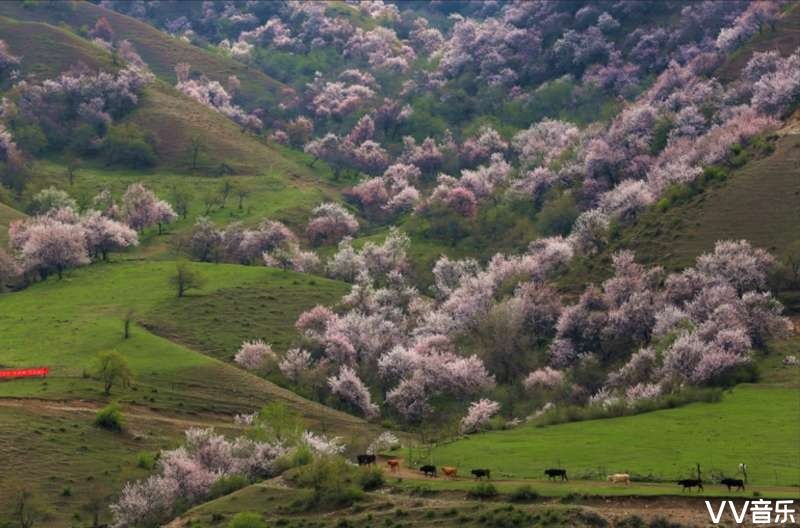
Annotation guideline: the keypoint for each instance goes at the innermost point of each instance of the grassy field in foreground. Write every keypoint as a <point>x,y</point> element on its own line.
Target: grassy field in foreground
<point>277,505</point>
<point>586,488</point>
<point>755,424</point>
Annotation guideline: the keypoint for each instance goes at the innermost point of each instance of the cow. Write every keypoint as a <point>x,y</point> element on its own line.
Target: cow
<point>480,473</point>
<point>428,471</point>
<point>620,478</point>
<point>450,471</point>
<point>691,483</point>
<point>365,460</point>
<point>555,472</point>
<point>394,465</point>
<point>731,482</point>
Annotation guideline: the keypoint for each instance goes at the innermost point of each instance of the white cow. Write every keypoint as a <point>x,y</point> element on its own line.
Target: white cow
<point>619,478</point>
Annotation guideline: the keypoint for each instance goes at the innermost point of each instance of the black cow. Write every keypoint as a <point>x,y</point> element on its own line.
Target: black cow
<point>691,483</point>
<point>480,473</point>
<point>555,472</point>
<point>428,471</point>
<point>731,482</point>
<point>365,460</point>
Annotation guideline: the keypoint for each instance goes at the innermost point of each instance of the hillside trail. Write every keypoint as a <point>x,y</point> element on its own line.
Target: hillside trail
<point>132,412</point>
<point>614,509</point>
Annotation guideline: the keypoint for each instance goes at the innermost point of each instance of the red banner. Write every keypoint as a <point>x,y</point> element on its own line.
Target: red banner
<point>24,373</point>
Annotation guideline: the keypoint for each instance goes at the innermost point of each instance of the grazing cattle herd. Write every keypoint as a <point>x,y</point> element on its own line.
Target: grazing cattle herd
<point>553,474</point>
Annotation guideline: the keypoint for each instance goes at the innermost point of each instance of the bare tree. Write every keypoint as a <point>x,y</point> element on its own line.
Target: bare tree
<point>225,191</point>
<point>195,147</point>
<point>185,278</point>
<point>127,323</point>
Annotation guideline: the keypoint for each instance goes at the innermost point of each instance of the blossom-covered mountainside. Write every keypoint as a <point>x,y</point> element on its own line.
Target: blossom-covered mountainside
<point>253,240</point>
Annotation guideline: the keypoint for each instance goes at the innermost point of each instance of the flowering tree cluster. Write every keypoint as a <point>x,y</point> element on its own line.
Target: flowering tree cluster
<point>80,97</point>
<point>214,95</point>
<point>141,208</point>
<point>253,354</point>
<point>270,243</point>
<point>478,415</point>
<point>351,390</point>
<point>463,194</point>
<point>8,61</point>
<point>389,194</point>
<point>60,239</point>
<point>709,317</point>
<point>187,473</point>
<point>330,223</point>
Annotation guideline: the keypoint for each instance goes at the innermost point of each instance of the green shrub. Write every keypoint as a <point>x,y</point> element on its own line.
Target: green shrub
<point>557,216</point>
<point>524,494</point>
<point>227,485</point>
<point>370,478</point>
<point>332,480</point>
<point>247,520</point>
<point>110,418</point>
<point>483,491</point>
<point>145,460</point>
<point>128,145</point>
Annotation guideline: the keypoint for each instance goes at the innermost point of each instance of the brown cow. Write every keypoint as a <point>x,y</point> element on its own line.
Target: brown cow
<point>394,465</point>
<point>450,471</point>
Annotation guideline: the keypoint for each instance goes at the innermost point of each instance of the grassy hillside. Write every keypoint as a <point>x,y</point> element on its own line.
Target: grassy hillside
<point>159,50</point>
<point>174,119</point>
<point>785,38</point>
<point>756,424</point>
<point>33,42</point>
<point>64,324</point>
<point>752,424</point>
<point>7,215</point>
<point>278,505</point>
<point>759,202</point>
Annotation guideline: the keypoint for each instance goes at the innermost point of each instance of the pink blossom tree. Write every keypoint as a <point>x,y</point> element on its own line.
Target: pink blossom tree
<point>330,223</point>
<point>295,363</point>
<point>351,390</point>
<point>478,415</point>
<point>104,235</point>
<point>46,245</point>
<point>253,354</point>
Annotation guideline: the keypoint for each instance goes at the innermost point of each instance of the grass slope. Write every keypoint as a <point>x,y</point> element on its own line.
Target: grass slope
<point>175,120</point>
<point>64,324</point>
<point>33,41</point>
<point>171,117</point>
<point>7,215</point>
<point>760,202</point>
<point>159,50</point>
<point>273,194</point>
<point>215,323</point>
<point>784,38</point>
<point>753,424</point>
<point>278,505</point>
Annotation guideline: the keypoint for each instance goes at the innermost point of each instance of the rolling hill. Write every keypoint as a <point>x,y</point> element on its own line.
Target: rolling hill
<point>159,51</point>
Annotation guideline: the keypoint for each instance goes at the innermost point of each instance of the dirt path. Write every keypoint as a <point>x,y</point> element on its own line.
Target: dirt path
<point>132,412</point>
